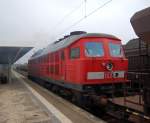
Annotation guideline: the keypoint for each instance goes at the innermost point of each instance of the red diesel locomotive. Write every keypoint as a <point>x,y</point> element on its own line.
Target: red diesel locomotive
<point>83,63</point>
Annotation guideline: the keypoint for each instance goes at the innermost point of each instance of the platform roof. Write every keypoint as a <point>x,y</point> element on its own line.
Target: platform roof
<point>9,54</point>
<point>141,24</point>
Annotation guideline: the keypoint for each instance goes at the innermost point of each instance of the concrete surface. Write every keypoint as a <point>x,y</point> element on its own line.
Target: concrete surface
<point>62,118</point>
<point>18,105</point>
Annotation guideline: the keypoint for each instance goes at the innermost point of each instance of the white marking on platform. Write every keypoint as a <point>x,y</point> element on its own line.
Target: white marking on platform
<point>49,106</point>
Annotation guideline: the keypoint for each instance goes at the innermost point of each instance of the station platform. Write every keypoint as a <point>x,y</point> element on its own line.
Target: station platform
<point>23,101</point>
<point>18,105</point>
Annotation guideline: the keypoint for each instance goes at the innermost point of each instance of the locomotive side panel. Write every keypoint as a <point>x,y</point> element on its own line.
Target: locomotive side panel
<point>74,68</point>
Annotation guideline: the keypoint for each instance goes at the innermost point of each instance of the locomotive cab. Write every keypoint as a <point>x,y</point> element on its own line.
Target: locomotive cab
<point>100,63</point>
<point>105,63</point>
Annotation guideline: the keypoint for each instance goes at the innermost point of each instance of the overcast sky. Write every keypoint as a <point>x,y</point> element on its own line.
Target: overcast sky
<point>40,22</point>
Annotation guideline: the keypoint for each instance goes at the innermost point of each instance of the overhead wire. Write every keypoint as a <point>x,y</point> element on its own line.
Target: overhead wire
<point>85,2</point>
<point>86,15</point>
<point>69,14</point>
<point>100,7</point>
<point>66,16</point>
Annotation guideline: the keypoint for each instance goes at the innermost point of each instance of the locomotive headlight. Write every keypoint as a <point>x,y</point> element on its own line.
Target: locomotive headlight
<point>109,66</point>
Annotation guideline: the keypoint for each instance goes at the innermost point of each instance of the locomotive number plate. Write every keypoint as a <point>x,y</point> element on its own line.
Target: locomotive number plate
<point>108,75</point>
<point>114,74</point>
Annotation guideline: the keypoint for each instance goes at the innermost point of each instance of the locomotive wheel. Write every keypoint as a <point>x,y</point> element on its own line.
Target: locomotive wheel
<point>55,89</point>
<point>78,99</point>
<point>47,85</point>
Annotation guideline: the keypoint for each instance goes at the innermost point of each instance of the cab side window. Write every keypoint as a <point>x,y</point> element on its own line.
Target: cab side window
<point>75,53</point>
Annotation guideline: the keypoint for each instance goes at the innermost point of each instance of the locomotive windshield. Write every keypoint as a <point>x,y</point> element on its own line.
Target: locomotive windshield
<point>94,49</point>
<point>115,50</point>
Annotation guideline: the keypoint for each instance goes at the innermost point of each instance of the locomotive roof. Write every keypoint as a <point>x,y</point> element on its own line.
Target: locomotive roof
<point>69,40</point>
